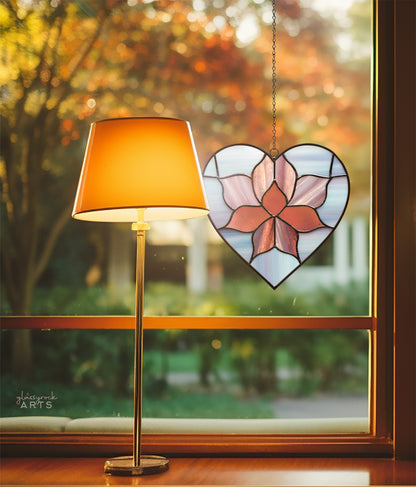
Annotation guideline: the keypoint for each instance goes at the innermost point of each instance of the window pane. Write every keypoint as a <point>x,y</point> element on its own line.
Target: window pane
<point>211,374</point>
<point>67,65</point>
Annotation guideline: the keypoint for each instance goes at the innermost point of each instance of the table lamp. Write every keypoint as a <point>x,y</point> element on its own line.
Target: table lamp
<point>137,170</point>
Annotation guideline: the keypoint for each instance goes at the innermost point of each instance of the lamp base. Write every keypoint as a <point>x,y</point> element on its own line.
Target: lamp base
<point>149,464</point>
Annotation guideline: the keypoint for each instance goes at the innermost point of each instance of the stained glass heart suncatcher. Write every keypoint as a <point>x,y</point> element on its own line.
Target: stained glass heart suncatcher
<point>275,212</point>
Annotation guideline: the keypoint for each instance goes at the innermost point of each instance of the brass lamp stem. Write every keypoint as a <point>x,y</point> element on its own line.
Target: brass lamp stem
<point>138,341</point>
<point>138,464</point>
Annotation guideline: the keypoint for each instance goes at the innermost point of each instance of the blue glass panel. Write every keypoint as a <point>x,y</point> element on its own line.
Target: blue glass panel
<point>308,242</point>
<point>211,168</point>
<point>310,159</point>
<point>331,211</point>
<point>220,213</point>
<point>238,159</point>
<point>337,168</point>
<point>275,266</point>
<point>239,241</point>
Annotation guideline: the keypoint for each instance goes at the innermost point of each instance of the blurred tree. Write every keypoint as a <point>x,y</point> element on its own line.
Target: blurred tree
<point>40,69</point>
<point>253,358</point>
<point>41,58</point>
<point>327,361</point>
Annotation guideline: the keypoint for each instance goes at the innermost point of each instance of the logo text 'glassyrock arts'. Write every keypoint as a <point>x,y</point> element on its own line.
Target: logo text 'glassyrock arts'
<point>25,400</point>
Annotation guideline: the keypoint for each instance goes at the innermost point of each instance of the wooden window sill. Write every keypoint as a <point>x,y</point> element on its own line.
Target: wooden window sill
<point>216,471</point>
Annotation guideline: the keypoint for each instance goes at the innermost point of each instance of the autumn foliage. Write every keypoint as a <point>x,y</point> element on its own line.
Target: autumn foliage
<point>65,64</point>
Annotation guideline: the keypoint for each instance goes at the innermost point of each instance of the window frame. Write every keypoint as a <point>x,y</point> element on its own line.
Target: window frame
<point>392,390</point>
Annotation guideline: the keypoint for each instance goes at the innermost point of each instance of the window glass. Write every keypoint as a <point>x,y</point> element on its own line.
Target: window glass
<point>67,64</point>
<point>215,374</point>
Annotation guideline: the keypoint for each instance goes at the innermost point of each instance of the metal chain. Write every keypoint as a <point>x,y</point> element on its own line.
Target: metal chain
<point>274,152</point>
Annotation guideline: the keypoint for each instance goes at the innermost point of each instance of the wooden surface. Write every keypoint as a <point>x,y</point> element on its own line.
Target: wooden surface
<point>188,322</point>
<point>215,471</point>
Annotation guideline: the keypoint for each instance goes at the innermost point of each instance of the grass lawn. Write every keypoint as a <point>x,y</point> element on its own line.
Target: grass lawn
<point>77,401</point>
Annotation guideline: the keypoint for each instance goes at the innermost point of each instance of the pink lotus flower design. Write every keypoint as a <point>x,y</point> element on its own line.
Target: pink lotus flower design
<point>275,213</point>
<point>275,205</point>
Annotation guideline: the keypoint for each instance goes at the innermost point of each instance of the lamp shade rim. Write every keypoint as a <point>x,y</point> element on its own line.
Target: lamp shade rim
<point>151,213</point>
<point>174,119</point>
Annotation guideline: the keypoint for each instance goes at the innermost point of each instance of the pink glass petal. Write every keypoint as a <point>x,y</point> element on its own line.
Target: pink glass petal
<point>285,176</point>
<point>310,190</point>
<point>247,218</point>
<point>274,200</point>
<point>238,191</point>
<point>263,175</point>
<point>301,218</point>
<point>263,237</point>
<point>286,238</point>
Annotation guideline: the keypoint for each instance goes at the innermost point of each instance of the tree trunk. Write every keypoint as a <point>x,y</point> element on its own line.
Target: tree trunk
<point>22,356</point>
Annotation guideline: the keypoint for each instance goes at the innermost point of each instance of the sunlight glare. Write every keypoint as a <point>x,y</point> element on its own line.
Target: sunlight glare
<point>248,30</point>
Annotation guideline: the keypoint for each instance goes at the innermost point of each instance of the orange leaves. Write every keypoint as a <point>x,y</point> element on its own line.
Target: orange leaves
<point>67,124</point>
<point>65,71</point>
<point>66,140</point>
<point>289,8</point>
<point>211,42</point>
<point>163,57</point>
<point>234,91</point>
<point>200,66</point>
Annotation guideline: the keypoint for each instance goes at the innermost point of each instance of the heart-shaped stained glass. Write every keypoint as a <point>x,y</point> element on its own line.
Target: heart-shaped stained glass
<point>275,213</point>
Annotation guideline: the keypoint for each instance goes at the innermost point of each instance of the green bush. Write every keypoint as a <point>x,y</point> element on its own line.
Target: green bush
<point>242,297</point>
<point>326,361</point>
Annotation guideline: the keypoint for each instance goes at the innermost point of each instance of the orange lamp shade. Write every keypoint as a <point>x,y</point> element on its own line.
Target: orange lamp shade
<point>140,163</point>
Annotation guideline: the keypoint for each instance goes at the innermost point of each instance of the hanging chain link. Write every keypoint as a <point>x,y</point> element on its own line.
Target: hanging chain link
<point>274,152</point>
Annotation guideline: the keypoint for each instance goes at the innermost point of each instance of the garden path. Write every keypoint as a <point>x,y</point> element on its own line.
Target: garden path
<point>318,406</point>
